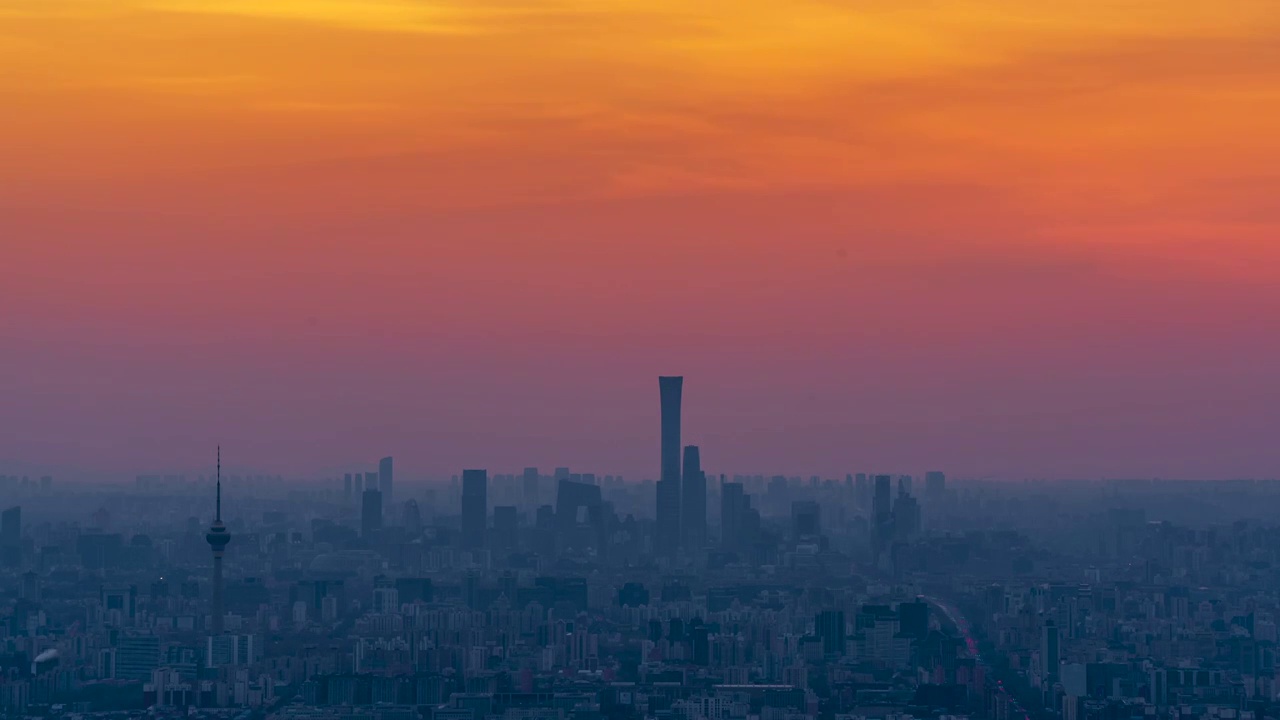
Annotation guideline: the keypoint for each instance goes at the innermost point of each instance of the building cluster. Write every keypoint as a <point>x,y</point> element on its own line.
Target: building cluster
<point>575,596</point>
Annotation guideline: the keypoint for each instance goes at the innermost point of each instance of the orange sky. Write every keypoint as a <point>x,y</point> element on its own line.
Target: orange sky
<point>737,188</point>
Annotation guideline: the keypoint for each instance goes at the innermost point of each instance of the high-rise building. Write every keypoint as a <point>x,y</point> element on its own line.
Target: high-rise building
<point>1050,652</point>
<point>11,537</point>
<point>530,486</point>
<point>733,509</point>
<point>913,619</point>
<point>385,480</point>
<point>136,657</point>
<point>370,513</point>
<point>830,628</point>
<point>667,541</point>
<point>218,538</point>
<point>475,508</point>
<point>882,513</point>
<point>806,519</point>
<point>346,487</point>
<point>693,507</point>
<point>411,518</point>
<point>371,481</point>
<point>935,485</point>
<point>906,514</point>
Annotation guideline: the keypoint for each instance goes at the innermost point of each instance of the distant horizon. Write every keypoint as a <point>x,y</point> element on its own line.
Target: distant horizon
<point>1019,239</point>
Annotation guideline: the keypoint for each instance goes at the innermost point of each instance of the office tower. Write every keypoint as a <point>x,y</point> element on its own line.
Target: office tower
<point>358,484</point>
<point>913,619</point>
<point>384,480</point>
<point>935,485</point>
<point>580,518</point>
<point>475,507</point>
<point>1050,652</point>
<point>218,537</point>
<point>906,514</point>
<point>806,519</point>
<point>562,473</point>
<point>506,527</point>
<point>829,627</point>
<point>530,486</point>
<point>370,513</point>
<point>371,481</point>
<point>668,497</point>
<point>412,518</point>
<point>693,507</point>
<point>346,486</point>
<point>882,513</point>
<point>137,657</point>
<point>11,537</point>
<point>861,489</point>
<point>732,509</point>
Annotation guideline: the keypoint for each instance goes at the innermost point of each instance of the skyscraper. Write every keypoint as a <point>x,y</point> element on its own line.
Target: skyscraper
<point>11,537</point>
<point>806,519</point>
<point>935,485</point>
<point>1050,651</point>
<point>530,489</point>
<point>693,508</point>
<point>475,507</point>
<point>731,495</point>
<point>346,487</point>
<point>882,513</point>
<point>384,480</point>
<point>667,541</point>
<point>370,512</point>
<point>830,628</point>
<point>218,537</point>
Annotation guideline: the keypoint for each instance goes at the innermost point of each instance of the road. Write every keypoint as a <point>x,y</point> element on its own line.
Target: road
<point>956,618</point>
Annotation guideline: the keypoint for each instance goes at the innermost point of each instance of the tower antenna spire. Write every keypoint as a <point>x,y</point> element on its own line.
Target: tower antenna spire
<point>218,516</point>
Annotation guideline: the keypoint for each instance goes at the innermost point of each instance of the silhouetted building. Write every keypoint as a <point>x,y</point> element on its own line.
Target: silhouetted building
<point>371,481</point>
<point>370,513</point>
<point>1050,651</point>
<point>475,508</point>
<point>11,537</point>
<point>830,629</point>
<point>693,508</point>
<point>218,538</point>
<point>529,489</point>
<point>906,514</point>
<point>412,519</point>
<point>935,485</point>
<point>882,513</point>
<point>580,520</point>
<point>913,619</point>
<point>346,487</point>
<point>385,481</point>
<point>733,509</point>
<point>806,519</point>
<point>667,541</point>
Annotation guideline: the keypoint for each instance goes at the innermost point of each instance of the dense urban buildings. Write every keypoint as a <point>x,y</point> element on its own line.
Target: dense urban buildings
<point>518,595</point>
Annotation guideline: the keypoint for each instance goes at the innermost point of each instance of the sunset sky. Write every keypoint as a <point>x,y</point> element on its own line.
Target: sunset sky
<point>1012,238</point>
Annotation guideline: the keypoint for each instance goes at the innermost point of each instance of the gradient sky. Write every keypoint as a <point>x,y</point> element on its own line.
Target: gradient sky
<point>997,237</point>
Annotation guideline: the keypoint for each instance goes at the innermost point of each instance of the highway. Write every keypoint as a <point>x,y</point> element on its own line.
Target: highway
<point>957,619</point>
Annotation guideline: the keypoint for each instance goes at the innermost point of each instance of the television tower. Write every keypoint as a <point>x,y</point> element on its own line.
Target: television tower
<point>218,537</point>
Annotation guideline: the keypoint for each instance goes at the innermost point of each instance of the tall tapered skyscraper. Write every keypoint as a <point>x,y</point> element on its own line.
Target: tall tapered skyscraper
<point>667,541</point>
<point>218,537</point>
